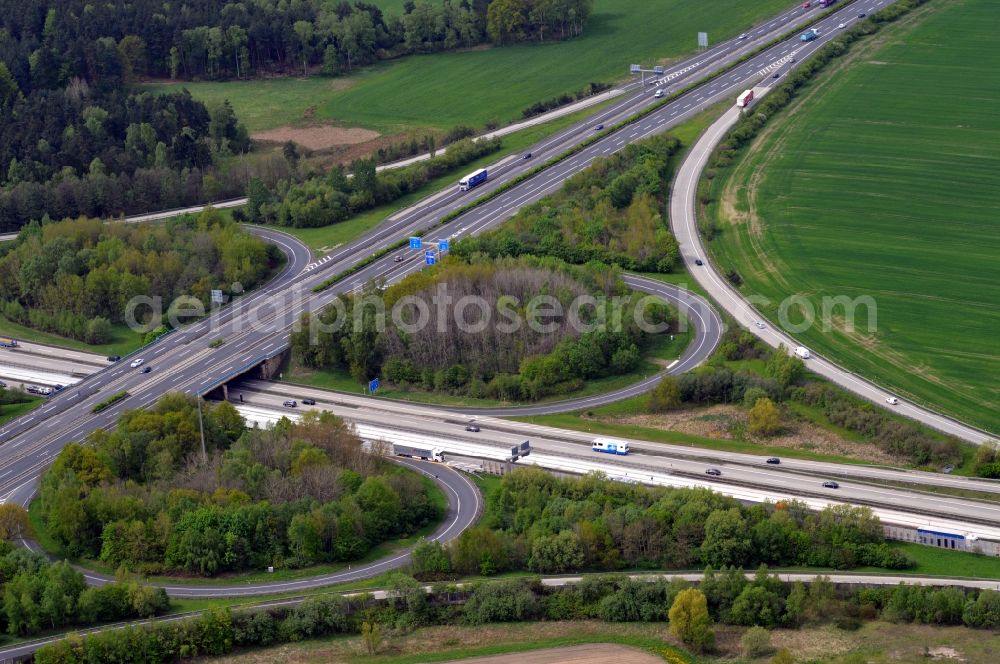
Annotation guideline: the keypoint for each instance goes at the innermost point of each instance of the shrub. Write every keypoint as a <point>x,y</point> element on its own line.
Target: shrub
<point>755,642</point>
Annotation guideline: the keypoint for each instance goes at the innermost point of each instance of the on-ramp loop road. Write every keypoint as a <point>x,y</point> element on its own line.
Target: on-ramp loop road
<point>465,504</point>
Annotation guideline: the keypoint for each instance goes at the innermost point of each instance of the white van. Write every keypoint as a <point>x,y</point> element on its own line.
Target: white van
<point>802,352</point>
<point>659,93</point>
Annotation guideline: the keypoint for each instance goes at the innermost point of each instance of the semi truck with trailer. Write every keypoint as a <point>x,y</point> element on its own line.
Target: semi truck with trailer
<point>473,179</point>
<point>744,99</point>
<point>809,35</point>
<point>826,3</point>
<point>425,453</point>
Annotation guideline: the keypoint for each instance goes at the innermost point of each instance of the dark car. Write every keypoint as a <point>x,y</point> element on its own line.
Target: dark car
<point>289,403</point>
<point>58,388</point>
<point>776,74</point>
<point>698,261</point>
<point>114,358</point>
<point>774,460</point>
<point>713,471</point>
<point>398,258</point>
<point>599,127</point>
<point>308,402</point>
<point>146,369</point>
<point>862,15</point>
<point>472,426</point>
<point>830,485</point>
<point>527,155</point>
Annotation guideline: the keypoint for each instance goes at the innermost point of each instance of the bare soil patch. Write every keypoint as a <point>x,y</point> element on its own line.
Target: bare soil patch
<point>728,422</point>
<point>593,653</point>
<point>318,137</point>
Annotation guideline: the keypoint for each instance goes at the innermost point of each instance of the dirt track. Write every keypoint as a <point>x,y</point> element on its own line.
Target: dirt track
<point>595,653</point>
<point>319,137</point>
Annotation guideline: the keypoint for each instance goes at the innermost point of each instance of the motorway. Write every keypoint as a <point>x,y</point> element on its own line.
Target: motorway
<point>746,477</point>
<point>257,325</point>
<point>436,420</point>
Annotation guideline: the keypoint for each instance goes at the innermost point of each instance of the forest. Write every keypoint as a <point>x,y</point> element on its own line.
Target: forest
<point>492,357</point>
<point>144,498</point>
<point>613,212</point>
<point>39,595</point>
<point>76,277</point>
<point>45,43</point>
<point>79,138</point>
<point>334,197</point>
<point>690,610</point>
<point>538,522</point>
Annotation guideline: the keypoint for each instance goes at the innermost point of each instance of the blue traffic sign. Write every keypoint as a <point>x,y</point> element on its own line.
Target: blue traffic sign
<point>430,258</point>
<point>442,245</point>
<point>416,243</point>
<point>373,385</point>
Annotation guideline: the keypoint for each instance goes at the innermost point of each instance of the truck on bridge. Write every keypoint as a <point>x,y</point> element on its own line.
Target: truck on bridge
<point>473,179</point>
<point>425,453</point>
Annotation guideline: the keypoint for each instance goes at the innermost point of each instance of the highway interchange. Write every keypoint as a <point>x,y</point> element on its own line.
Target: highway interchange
<point>256,326</point>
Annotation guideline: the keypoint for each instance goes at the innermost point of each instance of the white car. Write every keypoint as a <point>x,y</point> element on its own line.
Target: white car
<point>892,401</point>
<point>658,93</point>
<point>759,324</point>
<point>137,363</point>
<point>841,26</point>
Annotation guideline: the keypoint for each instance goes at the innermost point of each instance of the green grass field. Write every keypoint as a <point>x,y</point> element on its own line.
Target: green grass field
<point>123,342</point>
<point>472,87</point>
<point>13,411</point>
<point>883,182</point>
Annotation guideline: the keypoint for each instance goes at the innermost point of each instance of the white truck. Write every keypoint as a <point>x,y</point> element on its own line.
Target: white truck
<point>425,453</point>
<point>744,99</point>
<point>802,352</point>
<point>610,446</point>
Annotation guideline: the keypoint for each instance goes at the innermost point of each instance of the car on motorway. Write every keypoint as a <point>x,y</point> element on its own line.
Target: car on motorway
<point>137,363</point>
<point>527,155</point>
<point>862,15</point>
<point>774,461</point>
<point>599,127</point>
<point>289,403</point>
<point>58,388</point>
<point>713,471</point>
<point>892,401</point>
<point>743,36</point>
<point>472,426</point>
<point>658,93</point>
<point>698,261</point>
<point>398,258</point>
<point>308,402</point>
<point>776,74</point>
<point>830,484</point>
<point>760,325</point>
<point>114,358</point>
<point>146,369</point>
<point>841,26</point>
